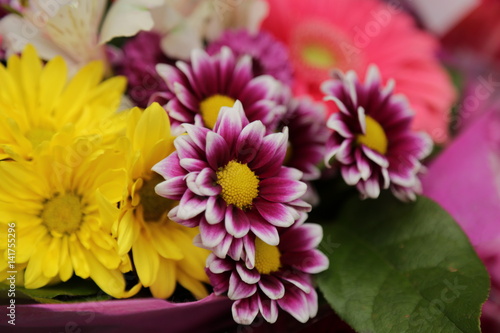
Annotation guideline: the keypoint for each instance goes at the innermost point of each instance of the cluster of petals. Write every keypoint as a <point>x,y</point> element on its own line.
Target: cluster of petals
<point>289,287</point>
<point>372,140</point>
<point>191,178</point>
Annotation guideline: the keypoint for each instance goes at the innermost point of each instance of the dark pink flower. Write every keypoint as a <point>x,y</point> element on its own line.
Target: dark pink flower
<point>269,56</point>
<point>281,276</point>
<point>141,54</point>
<point>230,182</point>
<point>372,140</point>
<point>208,83</point>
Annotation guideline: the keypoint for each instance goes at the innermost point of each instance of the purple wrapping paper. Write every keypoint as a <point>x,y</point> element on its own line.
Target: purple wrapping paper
<point>465,180</point>
<point>211,314</point>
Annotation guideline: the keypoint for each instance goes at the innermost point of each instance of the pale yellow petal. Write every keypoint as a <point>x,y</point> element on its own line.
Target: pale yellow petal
<point>65,267</point>
<point>53,79</point>
<point>51,258</point>
<point>146,260</point>
<point>164,242</point>
<point>31,68</point>
<point>197,288</point>
<point>78,259</point>
<point>128,231</point>
<point>34,277</point>
<point>164,285</point>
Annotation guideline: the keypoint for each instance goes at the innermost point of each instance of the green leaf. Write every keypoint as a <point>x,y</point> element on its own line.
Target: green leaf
<point>398,267</point>
<point>75,289</point>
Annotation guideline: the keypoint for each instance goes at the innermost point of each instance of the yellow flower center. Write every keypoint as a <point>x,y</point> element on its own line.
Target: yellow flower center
<point>38,135</point>
<point>267,257</point>
<point>210,108</point>
<point>153,205</point>
<point>63,213</point>
<point>375,137</point>
<point>318,56</point>
<point>239,184</point>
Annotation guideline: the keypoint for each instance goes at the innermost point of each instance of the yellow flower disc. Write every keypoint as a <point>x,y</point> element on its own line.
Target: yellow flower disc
<point>239,184</point>
<point>375,137</point>
<point>63,213</point>
<point>210,108</point>
<point>267,257</point>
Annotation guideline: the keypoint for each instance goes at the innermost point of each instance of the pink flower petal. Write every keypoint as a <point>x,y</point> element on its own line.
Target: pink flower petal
<point>295,303</point>
<point>275,213</point>
<point>236,222</point>
<point>215,210</point>
<point>302,238</point>
<point>239,289</point>
<point>250,276</point>
<point>211,234</point>
<point>173,188</point>
<point>230,123</point>
<point>269,310</point>
<point>217,151</point>
<point>245,310</point>
<point>263,230</point>
<point>272,287</point>
<point>311,261</point>
<point>281,189</point>
<point>191,205</point>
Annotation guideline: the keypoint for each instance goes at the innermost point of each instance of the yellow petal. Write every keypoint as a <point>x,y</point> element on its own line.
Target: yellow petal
<point>51,258</point>
<point>153,126</point>
<point>193,285</point>
<point>128,231</point>
<point>31,68</point>
<point>34,277</point>
<point>53,79</point>
<point>146,260</point>
<point>65,267</point>
<point>164,243</point>
<point>78,259</point>
<point>164,286</point>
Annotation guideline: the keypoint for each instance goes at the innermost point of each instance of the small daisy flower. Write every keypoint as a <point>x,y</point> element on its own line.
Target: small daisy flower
<point>269,56</point>
<point>201,88</point>
<point>230,181</point>
<point>372,140</point>
<point>280,278</point>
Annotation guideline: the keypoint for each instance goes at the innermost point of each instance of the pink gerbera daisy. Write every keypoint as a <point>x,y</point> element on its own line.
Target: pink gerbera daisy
<point>230,181</point>
<point>350,34</point>
<point>279,278</point>
<point>372,139</point>
<point>208,83</point>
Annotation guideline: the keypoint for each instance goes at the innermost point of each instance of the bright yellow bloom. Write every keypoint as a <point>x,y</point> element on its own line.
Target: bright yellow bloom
<point>38,102</point>
<point>162,250</point>
<point>63,204</point>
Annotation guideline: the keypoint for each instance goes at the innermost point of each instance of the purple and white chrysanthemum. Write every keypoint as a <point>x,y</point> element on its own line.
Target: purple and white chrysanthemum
<point>372,138</point>
<point>269,56</point>
<point>280,278</point>
<point>208,83</point>
<point>231,182</point>
<point>306,122</point>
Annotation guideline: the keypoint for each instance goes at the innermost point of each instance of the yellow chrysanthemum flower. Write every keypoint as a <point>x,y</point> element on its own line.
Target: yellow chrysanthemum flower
<point>38,101</point>
<point>63,204</point>
<point>162,250</point>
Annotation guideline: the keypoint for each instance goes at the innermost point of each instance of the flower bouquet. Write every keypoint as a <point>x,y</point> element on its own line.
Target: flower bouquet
<point>247,165</point>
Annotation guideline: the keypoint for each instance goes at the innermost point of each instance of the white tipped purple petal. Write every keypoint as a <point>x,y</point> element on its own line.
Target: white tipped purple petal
<point>169,167</point>
<point>173,188</point>
<point>295,303</point>
<point>217,265</point>
<point>269,309</point>
<point>264,230</point>
<point>375,157</point>
<point>230,122</point>
<point>272,287</point>
<point>281,189</point>
<point>211,234</point>
<point>298,279</point>
<point>250,276</point>
<point>245,310</point>
<point>236,221</point>
<point>217,150</point>
<point>239,289</point>
<point>275,213</point>
<point>215,210</point>
<point>191,205</point>
<point>301,238</point>
<point>310,261</point>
